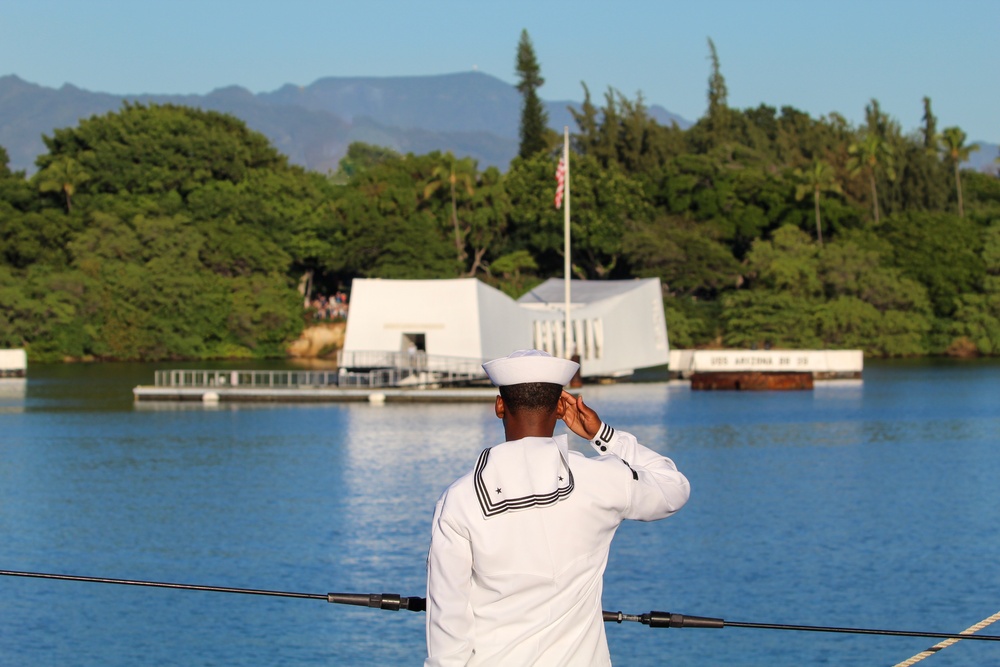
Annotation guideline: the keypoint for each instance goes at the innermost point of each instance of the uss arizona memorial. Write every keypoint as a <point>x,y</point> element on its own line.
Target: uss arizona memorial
<point>616,328</point>
<point>404,336</point>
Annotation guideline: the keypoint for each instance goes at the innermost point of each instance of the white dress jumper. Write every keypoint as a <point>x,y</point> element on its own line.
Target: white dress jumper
<point>519,546</point>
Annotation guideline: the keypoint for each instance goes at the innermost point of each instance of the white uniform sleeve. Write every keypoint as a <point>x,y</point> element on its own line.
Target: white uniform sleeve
<point>449,583</point>
<point>658,488</point>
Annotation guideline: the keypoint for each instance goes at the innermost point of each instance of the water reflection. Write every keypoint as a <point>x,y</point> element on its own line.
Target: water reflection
<point>12,394</point>
<point>199,406</point>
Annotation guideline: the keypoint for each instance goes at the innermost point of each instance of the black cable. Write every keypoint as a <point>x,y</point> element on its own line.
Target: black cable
<point>393,602</point>
<point>663,619</point>
<point>378,601</point>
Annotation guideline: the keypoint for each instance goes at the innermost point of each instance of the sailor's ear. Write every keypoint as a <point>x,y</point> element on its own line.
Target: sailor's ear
<point>498,407</point>
<point>560,408</point>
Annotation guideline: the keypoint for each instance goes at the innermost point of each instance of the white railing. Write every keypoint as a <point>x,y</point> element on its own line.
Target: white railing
<point>419,361</point>
<point>417,375</point>
<point>275,379</point>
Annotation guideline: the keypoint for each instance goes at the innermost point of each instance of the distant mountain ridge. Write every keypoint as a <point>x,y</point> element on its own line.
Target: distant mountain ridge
<point>471,114</point>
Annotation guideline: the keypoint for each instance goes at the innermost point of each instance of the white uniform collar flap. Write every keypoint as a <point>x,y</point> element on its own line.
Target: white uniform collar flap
<point>526,473</point>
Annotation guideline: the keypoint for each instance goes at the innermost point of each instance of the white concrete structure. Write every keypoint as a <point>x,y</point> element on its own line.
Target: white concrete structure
<point>617,326</point>
<point>441,322</point>
<point>822,364</point>
<point>13,363</point>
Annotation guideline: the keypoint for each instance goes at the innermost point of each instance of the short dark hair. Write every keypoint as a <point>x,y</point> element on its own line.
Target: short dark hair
<point>531,396</point>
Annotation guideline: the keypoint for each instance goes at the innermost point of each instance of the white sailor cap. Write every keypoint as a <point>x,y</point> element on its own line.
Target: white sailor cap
<point>530,366</point>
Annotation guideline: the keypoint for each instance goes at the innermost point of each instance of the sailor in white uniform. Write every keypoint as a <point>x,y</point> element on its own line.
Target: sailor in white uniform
<point>519,544</point>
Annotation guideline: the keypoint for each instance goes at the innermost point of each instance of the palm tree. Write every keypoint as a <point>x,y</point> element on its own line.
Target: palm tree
<point>868,155</point>
<point>454,172</point>
<point>952,141</point>
<point>819,178</point>
<point>63,174</point>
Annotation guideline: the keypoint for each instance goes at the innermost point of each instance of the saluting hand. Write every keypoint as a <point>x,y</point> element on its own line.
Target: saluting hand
<point>580,418</point>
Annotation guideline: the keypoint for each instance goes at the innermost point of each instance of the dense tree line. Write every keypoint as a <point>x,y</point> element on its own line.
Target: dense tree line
<point>166,232</point>
<point>156,232</point>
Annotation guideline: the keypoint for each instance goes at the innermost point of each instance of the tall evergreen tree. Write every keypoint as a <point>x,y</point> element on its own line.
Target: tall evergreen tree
<point>930,127</point>
<point>586,141</point>
<point>877,121</point>
<point>718,119</point>
<point>534,119</point>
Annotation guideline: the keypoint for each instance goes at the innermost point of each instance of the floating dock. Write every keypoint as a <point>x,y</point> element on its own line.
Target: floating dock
<point>764,369</point>
<point>317,395</point>
<point>374,386</point>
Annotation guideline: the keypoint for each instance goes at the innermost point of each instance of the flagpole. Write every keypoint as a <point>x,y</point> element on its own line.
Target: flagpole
<point>566,261</point>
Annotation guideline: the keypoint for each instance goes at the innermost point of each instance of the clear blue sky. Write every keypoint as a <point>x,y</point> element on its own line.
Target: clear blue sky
<point>816,55</point>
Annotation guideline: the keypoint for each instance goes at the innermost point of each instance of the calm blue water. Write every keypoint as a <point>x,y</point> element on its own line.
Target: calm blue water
<point>864,505</point>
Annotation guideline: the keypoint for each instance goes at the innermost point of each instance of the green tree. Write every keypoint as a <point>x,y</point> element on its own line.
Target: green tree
<point>359,157</point>
<point>976,323</point>
<point>922,178</point>
<point>856,265</point>
<point>383,229</point>
<point>40,310</point>
<point>625,134</point>
<point>63,175</point>
<point>870,155</point>
<point>819,178</point>
<point>692,322</point>
<point>161,150</point>
<point>37,237</point>
<point>941,251</point>
<point>166,287</point>
<point>850,323</point>
<point>605,202</point>
<point>982,196</point>
<point>186,241</point>
<point>718,116</point>
<point>955,153</point>
<point>788,263</point>
<point>587,138</point>
<point>684,255</point>
<point>753,318</point>
<point>516,272</point>
<point>487,219</point>
<point>841,298</point>
<point>930,127</point>
<point>452,174</point>
<point>736,194</point>
<point>534,119</point>
<point>16,193</point>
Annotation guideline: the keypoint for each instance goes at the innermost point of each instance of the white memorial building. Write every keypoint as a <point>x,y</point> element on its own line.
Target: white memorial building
<point>616,327</point>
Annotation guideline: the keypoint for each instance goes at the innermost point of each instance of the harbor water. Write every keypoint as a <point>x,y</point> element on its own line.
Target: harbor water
<point>867,504</point>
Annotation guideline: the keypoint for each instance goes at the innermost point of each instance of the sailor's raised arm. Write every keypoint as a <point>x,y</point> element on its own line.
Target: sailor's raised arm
<point>659,489</point>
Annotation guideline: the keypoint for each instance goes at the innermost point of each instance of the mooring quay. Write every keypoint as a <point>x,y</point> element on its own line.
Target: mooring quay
<point>374,378</point>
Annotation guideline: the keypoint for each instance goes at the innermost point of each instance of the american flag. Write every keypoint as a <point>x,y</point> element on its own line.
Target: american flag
<point>560,181</point>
